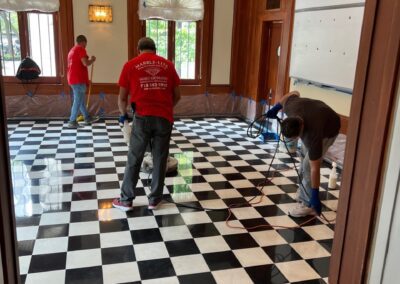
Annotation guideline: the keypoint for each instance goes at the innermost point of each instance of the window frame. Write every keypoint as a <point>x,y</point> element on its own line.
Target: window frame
<point>171,48</point>
<point>25,50</point>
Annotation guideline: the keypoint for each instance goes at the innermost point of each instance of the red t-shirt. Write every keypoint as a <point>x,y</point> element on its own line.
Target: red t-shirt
<point>77,72</point>
<point>150,80</point>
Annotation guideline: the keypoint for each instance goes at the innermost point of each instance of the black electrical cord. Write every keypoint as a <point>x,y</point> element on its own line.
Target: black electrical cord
<point>262,118</point>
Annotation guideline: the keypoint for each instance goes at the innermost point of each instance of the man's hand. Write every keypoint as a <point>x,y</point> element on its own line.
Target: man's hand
<point>273,112</point>
<point>122,119</point>
<point>315,202</point>
<point>93,58</point>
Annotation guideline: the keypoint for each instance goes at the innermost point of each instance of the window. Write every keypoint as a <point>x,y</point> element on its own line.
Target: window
<point>30,34</point>
<point>178,42</point>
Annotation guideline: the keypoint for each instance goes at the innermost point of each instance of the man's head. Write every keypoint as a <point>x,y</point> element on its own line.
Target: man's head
<point>292,127</point>
<point>146,44</point>
<point>81,40</point>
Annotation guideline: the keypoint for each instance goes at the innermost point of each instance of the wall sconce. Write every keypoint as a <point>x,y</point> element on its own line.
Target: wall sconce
<point>100,13</point>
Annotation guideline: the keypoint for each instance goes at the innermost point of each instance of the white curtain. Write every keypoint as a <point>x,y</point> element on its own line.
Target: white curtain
<point>28,5</point>
<point>172,10</point>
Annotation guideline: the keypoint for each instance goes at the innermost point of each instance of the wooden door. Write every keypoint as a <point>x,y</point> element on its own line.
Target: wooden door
<point>269,63</point>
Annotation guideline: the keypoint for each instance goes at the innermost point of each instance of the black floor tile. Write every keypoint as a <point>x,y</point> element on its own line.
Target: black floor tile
<point>281,253</point>
<point>87,275</point>
<point>48,262</point>
<point>146,236</point>
<point>266,274</point>
<point>221,260</point>
<point>117,255</point>
<point>83,242</point>
<point>181,247</point>
<point>169,220</point>
<point>203,230</point>
<point>115,225</point>
<point>53,231</point>
<point>153,269</point>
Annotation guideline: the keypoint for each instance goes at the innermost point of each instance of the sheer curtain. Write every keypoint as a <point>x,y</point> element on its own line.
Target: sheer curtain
<point>28,5</point>
<point>172,10</point>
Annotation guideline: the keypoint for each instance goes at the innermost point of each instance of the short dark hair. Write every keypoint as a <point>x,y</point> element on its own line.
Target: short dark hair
<point>291,127</point>
<point>146,43</point>
<point>81,38</point>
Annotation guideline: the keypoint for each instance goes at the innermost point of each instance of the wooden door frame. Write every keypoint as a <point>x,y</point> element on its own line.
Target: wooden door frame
<point>376,80</point>
<point>8,235</point>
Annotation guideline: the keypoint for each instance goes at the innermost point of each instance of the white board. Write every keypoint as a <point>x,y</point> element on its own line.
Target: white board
<point>325,44</point>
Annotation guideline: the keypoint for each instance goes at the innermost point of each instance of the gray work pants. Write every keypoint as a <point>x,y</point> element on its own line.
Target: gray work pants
<point>305,170</point>
<point>146,129</point>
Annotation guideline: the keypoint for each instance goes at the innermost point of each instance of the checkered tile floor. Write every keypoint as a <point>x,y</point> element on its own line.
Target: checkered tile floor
<point>64,181</point>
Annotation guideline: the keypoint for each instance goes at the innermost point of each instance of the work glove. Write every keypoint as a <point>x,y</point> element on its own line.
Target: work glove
<point>122,119</point>
<point>315,202</point>
<point>273,112</point>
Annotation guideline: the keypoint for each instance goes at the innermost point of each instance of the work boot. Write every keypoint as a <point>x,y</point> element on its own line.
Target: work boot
<point>73,125</point>
<point>91,119</point>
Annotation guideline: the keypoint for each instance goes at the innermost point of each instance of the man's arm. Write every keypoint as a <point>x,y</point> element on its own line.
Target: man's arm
<point>315,173</point>
<point>177,95</point>
<point>273,112</point>
<point>315,202</point>
<point>88,62</point>
<point>122,100</point>
<point>283,100</point>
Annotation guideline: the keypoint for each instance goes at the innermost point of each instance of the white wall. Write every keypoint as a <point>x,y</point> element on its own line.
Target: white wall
<point>107,41</point>
<point>222,42</point>
<point>338,101</point>
<point>386,251</point>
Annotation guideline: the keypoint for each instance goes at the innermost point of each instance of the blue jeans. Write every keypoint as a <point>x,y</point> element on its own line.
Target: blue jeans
<point>305,170</point>
<point>146,129</point>
<point>79,91</point>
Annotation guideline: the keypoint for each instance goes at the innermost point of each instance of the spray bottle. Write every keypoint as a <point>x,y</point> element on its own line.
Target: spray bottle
<point>332,177</point>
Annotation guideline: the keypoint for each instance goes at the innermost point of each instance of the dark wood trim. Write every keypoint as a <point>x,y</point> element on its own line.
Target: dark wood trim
<point>67,40</point>
<point>135,28</point>
<point>375,88</point>
<point>14,89</point>
<point>106,88</point>
<point>249,19</point>
<point>344,122</point>
<point>206,44</point>
<point>210,32</point>
<point>290,9</point>
<point>23,36</point>
<point>18,89</point>
<point>8,235</point>
<point>219,89</point>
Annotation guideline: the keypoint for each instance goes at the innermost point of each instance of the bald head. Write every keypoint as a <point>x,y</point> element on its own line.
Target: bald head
<point>146,44</point>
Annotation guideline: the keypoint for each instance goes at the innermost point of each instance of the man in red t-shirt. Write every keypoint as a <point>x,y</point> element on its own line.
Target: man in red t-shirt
<point>153,85</point>
<point>78,79</point>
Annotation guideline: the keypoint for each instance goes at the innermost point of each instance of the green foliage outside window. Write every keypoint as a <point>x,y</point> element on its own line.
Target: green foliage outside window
<point>9,36</point>
<point>185,44</point>
<point>158,31</point>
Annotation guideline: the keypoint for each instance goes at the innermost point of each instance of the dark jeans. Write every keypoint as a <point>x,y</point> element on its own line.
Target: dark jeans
<point>144,129</point>
<point>305,170</point>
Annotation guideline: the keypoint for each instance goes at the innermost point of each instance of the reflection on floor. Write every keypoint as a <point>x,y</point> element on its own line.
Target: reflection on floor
<point>64,181</point>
